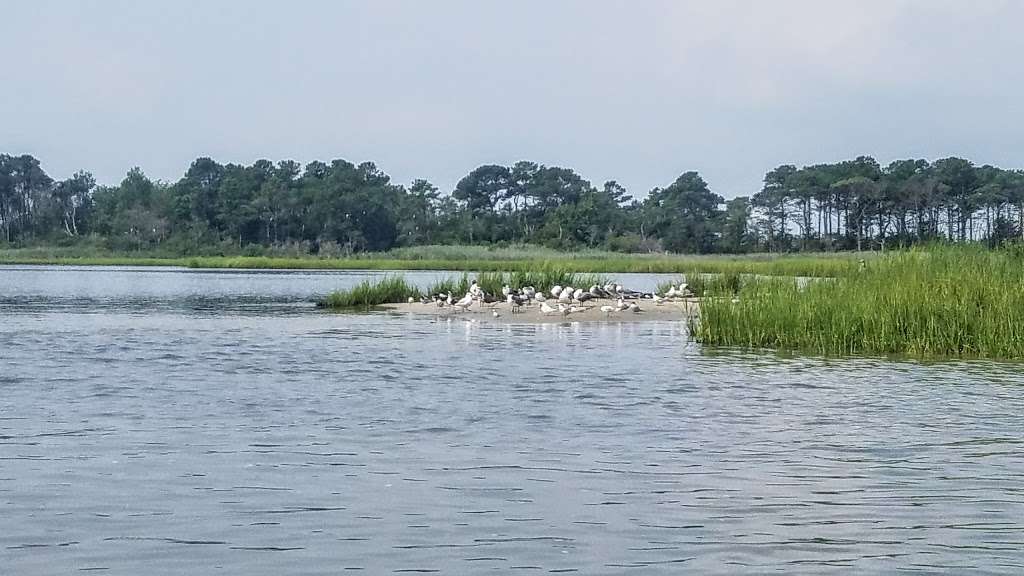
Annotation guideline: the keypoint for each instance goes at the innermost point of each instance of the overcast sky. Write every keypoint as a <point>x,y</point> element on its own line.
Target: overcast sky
<point>634,91</point>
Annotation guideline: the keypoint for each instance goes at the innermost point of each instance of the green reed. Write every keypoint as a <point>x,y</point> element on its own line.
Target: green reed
<point>541,278</point>
<point>368,293</point>
<point>459,258</point>
<point>927,303</point>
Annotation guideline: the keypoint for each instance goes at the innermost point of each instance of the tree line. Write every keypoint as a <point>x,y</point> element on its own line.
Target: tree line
<point>340,208</point>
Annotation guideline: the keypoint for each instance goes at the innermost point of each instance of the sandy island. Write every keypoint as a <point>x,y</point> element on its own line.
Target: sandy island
<point>667,311</point>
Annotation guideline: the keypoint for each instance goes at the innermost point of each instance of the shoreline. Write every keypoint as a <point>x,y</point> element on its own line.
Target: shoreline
<point>531,314</point>
<point>812,265</point>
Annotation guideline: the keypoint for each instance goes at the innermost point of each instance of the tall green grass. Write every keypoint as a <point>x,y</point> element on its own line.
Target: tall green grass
<point>395,289</point>
<point>708,284</point>
<point>369,293</point>
<point>458,258</point>
<point>940,302</point>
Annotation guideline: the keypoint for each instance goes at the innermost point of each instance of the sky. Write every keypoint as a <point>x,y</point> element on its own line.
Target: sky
<point>635,91</point>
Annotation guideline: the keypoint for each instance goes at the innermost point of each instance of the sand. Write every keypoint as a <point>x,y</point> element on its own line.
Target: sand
<point>667,311</point>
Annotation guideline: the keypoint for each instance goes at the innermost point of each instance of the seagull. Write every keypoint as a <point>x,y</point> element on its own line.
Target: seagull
<point>539,297</point>
<point>555,291</point>
<point>607,310</point>
<point>411,299</point>
<point>495,314</point>
<point>546,308</point>
<point>658,299</point>
<point>505,290</point>
<point>576,294</point>
<point>448,299</point>
<point>634,307</point>
<point>622,304</point>
<point>671,292</point>
<point>466,301</point>
<point>514,302</point>
<point>529,292</point>
<point>565,295</point>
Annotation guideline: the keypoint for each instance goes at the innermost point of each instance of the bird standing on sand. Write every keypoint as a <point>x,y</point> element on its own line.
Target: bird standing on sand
<point>466,302</point>
<point>657,299</point>
<point>607,310</point>
<point>555,291</point>
<point>514,302</point>
<point>546,308</point>
<point>565,296</point>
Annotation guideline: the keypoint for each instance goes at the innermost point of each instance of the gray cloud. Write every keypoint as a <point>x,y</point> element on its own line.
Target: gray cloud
<point>636,91</point>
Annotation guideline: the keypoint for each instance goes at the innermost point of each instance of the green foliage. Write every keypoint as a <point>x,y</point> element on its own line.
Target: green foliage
<point>340,209</point>
<point>458,258</point>
<point>543,278</point>
<point>394,289</point>
<point>726,283</point>
<point>940,302</point>
<point>369,293</point>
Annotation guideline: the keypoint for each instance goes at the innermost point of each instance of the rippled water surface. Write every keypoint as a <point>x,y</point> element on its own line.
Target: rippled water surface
<point>183,422</point>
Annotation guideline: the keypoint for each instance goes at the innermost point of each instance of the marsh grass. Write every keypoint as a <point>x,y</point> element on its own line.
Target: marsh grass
<point>369,293</point>
<point>459,258</point>
<point>935,303</point>
<point>812,266</point>
<point>395,289</point>
<point>542,278</point>
<point>708,284</point>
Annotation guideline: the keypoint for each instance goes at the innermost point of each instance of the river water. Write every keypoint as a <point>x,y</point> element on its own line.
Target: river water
<point>167,421</point>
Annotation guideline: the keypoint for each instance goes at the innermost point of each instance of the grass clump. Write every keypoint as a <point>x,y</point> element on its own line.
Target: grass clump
<point>703,284</point>
<point>395,289</point>
<point>369,293</point>
<point>458,258</point>
<point>542,278</point>
<point>940,302</point>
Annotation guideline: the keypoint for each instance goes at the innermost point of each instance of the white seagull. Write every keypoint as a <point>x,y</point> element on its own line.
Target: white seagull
<point>546,308</point>
<point>466,301</point>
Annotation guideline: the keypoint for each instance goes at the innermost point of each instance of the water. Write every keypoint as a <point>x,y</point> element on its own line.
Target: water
<point>179,422</point>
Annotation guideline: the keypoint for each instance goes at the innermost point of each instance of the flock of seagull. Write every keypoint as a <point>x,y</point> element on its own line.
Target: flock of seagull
<point>566,300</point>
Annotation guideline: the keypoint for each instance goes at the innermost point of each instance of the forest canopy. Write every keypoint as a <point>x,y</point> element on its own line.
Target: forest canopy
<point>340,208</point>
